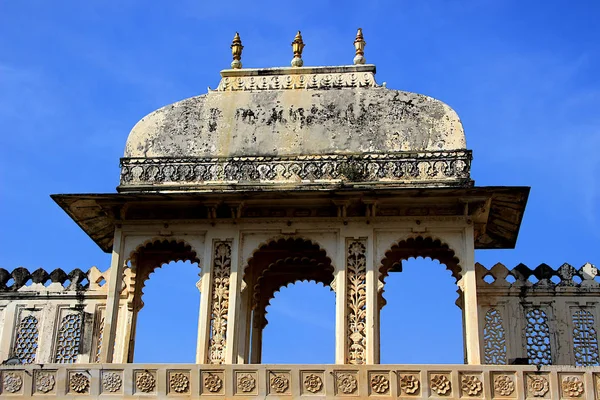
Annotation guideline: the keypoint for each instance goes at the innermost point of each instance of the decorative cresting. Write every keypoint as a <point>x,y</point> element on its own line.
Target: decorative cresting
<point>221,272</point>
<point>356,293</point>
<point>537,335</point>
<point>428,168</point>
<point>494,338</point>
<point>26,344</point>
<point>69,338</point>
<point>585,338</point>
<point>414,247</point>
<point>56,280</point>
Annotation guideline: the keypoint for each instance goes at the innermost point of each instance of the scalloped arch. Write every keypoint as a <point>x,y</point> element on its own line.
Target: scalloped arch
<point>415,246</point>
<point>174,249</point>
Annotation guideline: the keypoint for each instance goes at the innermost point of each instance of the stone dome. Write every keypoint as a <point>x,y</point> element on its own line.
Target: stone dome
<point>296,112</point>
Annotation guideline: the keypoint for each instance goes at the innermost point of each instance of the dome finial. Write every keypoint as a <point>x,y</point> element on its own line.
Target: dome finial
<point>236,52</point>
<point>297,47</point>
<point>359,45</point>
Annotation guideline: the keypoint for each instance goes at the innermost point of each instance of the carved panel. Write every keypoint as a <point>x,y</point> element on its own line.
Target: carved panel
<point>334,80</point>
<point>537,334</point>
<point>585,338</point>
<point>26,343</point>
<point>446,166</point>
<point>221,272</point>
<point>69,337</point>
<point>99,338</point>
<point>494,338</point>
<point>356,292</point>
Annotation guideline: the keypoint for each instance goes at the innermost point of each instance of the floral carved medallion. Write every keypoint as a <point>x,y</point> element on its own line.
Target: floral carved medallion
<point>44,382</point>
<point>379,383</point>
<point>111,382</point>
<point>504,385</point>
<point>313,383</point>
<point>145,382</point>
<point>572,386</point>
<point>346,383</point>
<point>279,383</point>
<point>212,382</point>
<point>246,383</point>
<point>440,384</point>
<point>79,382</point>
<point>12,382</point>
<point>471,385</point>
<point>409,384</point>
<point>179,382</point>
<point>538,386</point>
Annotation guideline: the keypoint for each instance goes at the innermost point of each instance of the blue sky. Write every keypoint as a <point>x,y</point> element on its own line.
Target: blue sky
<point>523,76</point>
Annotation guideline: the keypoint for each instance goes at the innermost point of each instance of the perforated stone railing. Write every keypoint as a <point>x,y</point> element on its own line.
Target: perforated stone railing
<point>539,316</point>
<point>293,381</point>
<point>443,168</point>
<point>54,316</point>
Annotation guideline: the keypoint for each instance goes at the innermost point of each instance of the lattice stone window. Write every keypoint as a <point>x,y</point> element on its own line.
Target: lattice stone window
<point>585,339</point>
<point>69,337</point>
<point>27,340</point>
<point>494,338</point>
<point>538,337</point>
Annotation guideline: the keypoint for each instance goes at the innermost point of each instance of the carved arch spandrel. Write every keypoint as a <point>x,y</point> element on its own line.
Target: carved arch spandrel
<point>425,246</point>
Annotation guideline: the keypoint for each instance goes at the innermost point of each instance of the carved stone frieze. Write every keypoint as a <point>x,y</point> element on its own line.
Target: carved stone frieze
<point>219,302</point>
<point>298,81</point>
<point>450,167</point>
<point>356,272</point>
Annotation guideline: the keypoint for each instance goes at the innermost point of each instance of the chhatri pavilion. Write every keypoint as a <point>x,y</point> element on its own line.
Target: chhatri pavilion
<point>287,174</point>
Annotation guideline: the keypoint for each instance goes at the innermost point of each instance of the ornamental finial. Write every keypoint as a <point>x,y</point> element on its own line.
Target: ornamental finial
<point>359,45</point>
<point>297,47</point>
<point>236,52</point>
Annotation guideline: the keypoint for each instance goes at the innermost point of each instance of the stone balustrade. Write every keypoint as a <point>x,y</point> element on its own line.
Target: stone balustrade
<point>154,381</point>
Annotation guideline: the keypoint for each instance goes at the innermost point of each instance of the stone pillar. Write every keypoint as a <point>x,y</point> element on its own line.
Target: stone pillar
<point>115,279</point>
<point>234,323</point>
<point>356,324</point>
<point>214,311</point>
<point>468,284</point>
<point>340,287</point>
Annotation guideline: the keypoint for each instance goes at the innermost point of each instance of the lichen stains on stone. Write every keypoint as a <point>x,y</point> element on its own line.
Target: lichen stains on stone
<point>297,122</point>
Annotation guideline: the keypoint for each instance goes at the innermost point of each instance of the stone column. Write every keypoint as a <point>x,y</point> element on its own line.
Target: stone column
<point>357,323</point>
<point>340,287</point>
<point>214,311</point>
<point>234,323</point>
<point>468,284</point>
<point>115,279</point>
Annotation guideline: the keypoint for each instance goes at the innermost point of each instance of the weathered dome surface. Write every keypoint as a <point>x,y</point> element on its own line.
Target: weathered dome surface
<point>297,111</point>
